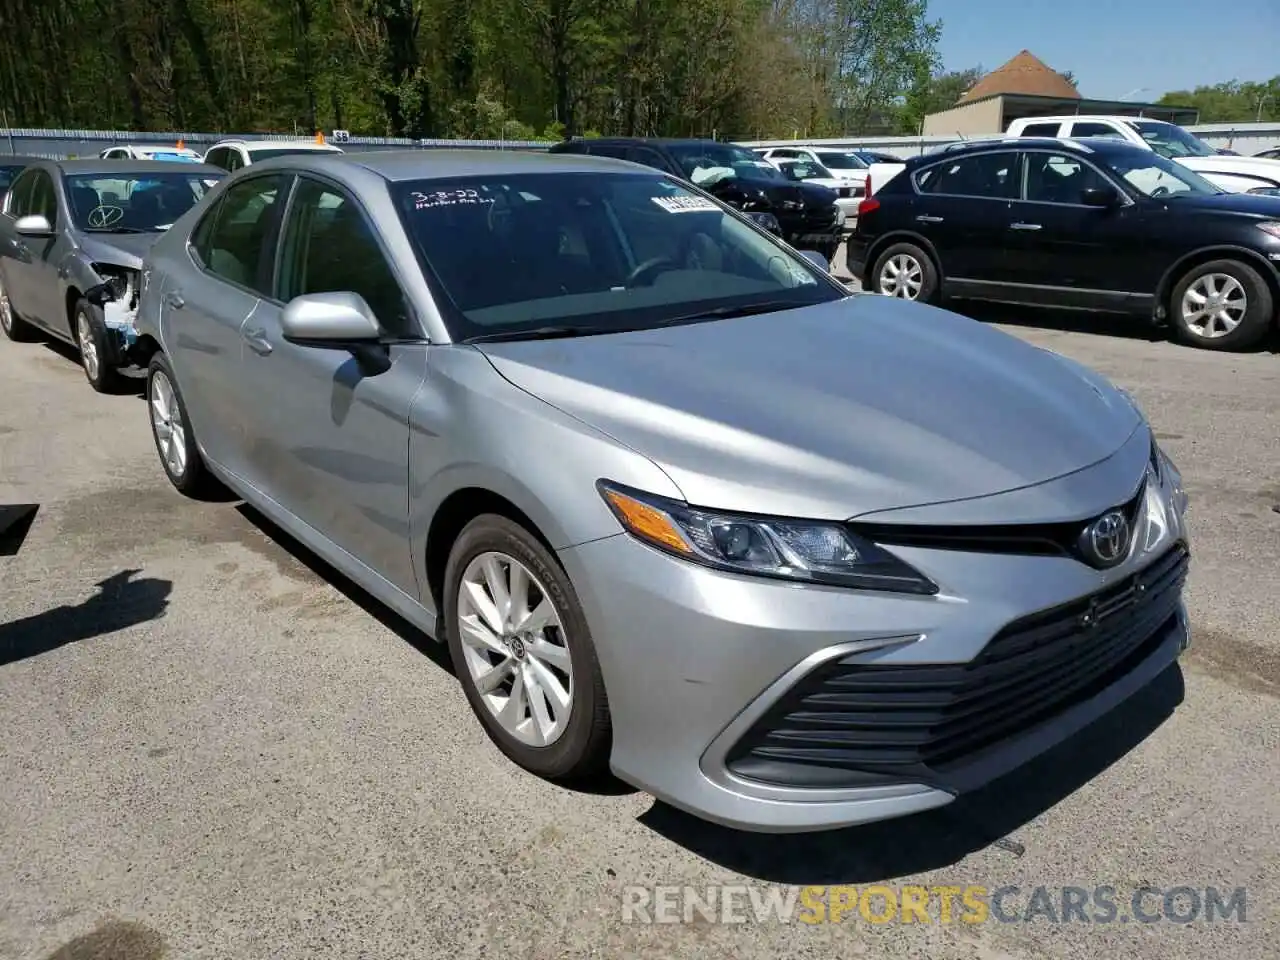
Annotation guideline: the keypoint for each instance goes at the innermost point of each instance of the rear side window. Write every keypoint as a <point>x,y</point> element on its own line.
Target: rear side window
<point>231,239</point>
<point>1093,129</point>
<point>1041,129</point>
<point>993,175</point>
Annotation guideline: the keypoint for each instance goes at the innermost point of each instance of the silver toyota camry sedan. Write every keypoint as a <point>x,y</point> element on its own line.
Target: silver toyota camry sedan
<point>679,504</point>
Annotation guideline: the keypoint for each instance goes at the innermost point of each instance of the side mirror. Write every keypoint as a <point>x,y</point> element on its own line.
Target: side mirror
<point>817,259</point>
<point>329,320</point>
<point>1099,197</point>
<point>33,225</point>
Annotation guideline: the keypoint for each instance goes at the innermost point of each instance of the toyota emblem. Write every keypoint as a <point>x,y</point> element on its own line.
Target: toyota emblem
<point>1105,542</point>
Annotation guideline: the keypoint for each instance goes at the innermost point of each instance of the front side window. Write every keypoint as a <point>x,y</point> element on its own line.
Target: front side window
<point>133,202</point>
<point>705,163</point>
<point>1156,176</point>
<point>329,246</point>
<point>594,253</point>
<point>8,174</point>
<point>43,201</point>
<point>1171,141</point>
<point>1060,178</point>
<point>18,199</point>
<point>991,175</point>
<point>231,238</point>
<point>834,160</point>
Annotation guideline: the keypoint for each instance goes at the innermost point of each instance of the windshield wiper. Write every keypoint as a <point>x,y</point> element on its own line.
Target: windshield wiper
<point>117,230</point>
<point>537,333</point>
<point>724,313</point>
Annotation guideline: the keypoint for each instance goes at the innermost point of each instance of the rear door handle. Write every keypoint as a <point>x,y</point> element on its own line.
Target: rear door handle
<point>924,218</point>
<point>1024,226</point>
<point>174,299</point>
<point>258,342</point>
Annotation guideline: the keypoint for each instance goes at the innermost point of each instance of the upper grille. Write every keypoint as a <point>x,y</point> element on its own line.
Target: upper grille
<point>849,724</point>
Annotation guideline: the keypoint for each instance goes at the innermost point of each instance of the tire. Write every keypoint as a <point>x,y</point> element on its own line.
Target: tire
<point>921,283</point>
<point>182,462</point>
<point>576,746</point>
<point>14,327</point>
<point>1248,309</point>
<point>91,337</point>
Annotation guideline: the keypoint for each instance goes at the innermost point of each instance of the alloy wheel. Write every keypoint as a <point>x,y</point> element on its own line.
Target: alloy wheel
<point>88,348</point>
<point>167,422</point>
<point>514,647</point>
<point>6,311</point>
<point>1214,305</point>
<point>902,276</point>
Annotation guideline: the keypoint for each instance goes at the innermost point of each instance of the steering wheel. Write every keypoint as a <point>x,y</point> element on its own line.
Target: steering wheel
<point>649,270</point>
<point>1159,192</point>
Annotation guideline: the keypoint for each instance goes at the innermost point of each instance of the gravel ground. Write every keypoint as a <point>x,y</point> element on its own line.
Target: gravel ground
<point>213,747</point>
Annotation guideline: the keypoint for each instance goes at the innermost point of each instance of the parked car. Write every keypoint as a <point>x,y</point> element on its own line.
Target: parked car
<point>10,166</point>
<point>72,237</point>
<point>151,152</point>
<point>1232,173</point>
<point>850,165</point>
<point>876,156</point>
<point>1097,224</point>
<point>677,502</point>
<point>848,193</point>
<point>1272,154</point>
<point>231,155</point>
<point>808,217</point>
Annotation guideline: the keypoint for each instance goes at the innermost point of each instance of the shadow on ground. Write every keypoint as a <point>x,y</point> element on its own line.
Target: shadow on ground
<point>116,940</point>
<point>438,653</point>
<point>940,838</point>
<point>120,602</point>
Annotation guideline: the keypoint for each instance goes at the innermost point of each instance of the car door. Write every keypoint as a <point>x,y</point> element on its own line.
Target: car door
<point>1056,241</point>
<point>205,302</point>
<point>15,250</point>
<point>334,448</point>
<point>962,208</point>
<point>37,258</point>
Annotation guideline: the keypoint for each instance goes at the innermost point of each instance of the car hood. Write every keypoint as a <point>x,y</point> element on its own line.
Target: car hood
<point>1245,166</point>
<point>810,195</point>
<point>120,249</point>
<point>1251,204</point>
<point>831,411</point>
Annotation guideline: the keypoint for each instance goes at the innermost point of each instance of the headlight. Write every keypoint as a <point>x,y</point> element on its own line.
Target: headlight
<point>1271,226</point>
<point>810,551</point>
<point>1166,472</point>
<point>116,278</point>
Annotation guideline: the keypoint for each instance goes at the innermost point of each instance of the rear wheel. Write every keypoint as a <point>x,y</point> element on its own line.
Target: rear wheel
<point>13,327</point>
<point>1222,305</point>
<point>906,272</point>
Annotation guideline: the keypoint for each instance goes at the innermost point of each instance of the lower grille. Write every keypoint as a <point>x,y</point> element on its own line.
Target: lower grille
<point>849,724</point>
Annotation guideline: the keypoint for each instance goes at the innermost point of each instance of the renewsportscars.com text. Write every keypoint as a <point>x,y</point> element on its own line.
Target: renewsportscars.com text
<point>970,904</point>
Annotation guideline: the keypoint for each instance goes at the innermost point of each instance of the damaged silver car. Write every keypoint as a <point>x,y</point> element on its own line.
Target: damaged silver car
<point>72,237</point>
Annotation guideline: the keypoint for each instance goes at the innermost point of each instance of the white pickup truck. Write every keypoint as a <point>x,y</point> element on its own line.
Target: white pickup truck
<point>1231,173</point>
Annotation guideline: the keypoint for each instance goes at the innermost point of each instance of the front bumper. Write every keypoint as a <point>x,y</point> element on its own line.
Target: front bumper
<point>696,662</point>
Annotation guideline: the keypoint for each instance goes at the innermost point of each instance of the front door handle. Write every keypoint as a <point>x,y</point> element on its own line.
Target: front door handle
<point>924,218</point>
<point>1025,226</point>
<point>174,299</point>
<point>258,342</point>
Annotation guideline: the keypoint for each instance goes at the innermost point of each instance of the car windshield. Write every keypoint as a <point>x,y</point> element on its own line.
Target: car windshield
<point>705,163</point>
<point>805,170</point>
<point>841,161</point>
<point>1171,141</point>
<point>134,202</point>
<point>1157,176</point>
<point>594,253</point>
<point>267,153</point>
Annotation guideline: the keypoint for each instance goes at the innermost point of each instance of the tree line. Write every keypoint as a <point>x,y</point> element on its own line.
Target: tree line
<point>489,69</point>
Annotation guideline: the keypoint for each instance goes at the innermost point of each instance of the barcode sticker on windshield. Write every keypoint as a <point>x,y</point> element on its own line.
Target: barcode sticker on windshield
<point>684,204</point>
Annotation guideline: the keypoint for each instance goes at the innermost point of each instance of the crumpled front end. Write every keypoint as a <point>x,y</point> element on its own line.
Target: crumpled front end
<point>117,297</point>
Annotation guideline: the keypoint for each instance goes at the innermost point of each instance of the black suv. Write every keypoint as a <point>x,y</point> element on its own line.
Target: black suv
<point>1093,223</point>
<point>806,213</point>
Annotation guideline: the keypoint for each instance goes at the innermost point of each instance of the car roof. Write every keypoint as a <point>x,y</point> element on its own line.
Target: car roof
<point>1063,118</point>
<point>126,167</point>
<point>1085,146</point>
<point>425,164</point>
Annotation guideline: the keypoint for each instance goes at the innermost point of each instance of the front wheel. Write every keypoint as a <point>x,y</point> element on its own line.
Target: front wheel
<point>95,350</point>
<point>1222,305</point>
<point>906,272</point>
<point>171,430</point>
<point>523,652</point>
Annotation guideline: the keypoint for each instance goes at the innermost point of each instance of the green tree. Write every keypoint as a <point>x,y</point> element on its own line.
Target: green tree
<point>1231,102</point>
